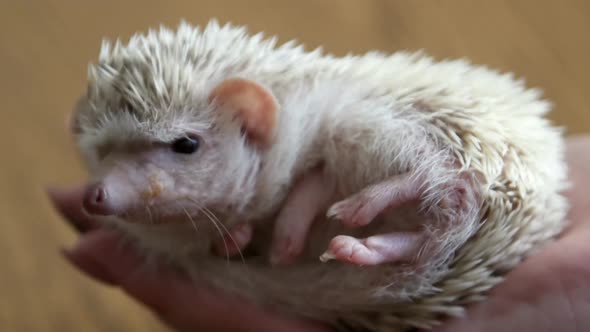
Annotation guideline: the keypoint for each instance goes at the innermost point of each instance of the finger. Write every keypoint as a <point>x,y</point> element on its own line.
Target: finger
<point>68,202</point>
<point>170,295</point>
<point>77,256</point>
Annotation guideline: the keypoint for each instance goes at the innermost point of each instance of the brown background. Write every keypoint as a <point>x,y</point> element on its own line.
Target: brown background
<point>46,45</point>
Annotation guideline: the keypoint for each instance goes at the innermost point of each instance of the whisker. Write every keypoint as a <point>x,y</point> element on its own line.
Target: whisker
<point>239,251</point>
<point>217,227</point>
<point>220,227</point>
<point>216,222</point>
<point>228,233</point>
<point>220,234</point>
<point>149,213</point>
<point>190,218</point>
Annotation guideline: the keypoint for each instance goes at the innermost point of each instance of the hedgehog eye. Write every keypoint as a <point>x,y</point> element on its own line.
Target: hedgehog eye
<point>186,145</point>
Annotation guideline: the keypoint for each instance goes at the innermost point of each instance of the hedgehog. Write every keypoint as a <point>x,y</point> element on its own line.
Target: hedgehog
<point>372,192</point>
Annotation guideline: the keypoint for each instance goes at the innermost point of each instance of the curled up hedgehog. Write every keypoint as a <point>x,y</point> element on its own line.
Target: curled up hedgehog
<point>373,192</point>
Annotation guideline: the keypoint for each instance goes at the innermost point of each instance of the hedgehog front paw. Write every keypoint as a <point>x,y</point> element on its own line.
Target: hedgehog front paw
<point>361,208</point>
<point>235,240</point>
<point>352,212</point>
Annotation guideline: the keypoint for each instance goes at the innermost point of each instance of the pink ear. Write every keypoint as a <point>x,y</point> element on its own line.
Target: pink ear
<point>253,104</point>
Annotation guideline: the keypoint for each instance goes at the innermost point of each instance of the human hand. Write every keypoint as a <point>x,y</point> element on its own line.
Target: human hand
<point>549,291</point>
<point>172,297</point>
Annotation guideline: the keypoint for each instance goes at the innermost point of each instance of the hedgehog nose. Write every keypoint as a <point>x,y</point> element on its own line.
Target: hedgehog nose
<point>96,200</point>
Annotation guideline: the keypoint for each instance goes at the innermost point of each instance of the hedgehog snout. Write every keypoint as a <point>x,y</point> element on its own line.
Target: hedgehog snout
<point>97,200</point>
<point>109,197</point>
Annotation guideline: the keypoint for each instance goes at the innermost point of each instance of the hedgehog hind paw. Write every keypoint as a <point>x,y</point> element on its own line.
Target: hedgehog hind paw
<point>374,250</point>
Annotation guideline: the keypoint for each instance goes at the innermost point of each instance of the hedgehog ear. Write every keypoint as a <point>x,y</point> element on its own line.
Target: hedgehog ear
<point>253,104</point>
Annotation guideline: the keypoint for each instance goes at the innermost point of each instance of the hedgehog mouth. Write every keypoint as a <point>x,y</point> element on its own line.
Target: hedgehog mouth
<point>150,214</point>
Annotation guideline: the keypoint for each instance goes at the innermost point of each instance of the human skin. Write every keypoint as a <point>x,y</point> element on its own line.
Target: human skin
<point>550,291</point>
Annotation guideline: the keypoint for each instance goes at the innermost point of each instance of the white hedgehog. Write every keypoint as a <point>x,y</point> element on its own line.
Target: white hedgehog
<point>374,192</point>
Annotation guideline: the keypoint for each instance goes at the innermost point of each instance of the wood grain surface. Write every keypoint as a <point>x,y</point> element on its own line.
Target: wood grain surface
<point>46,45</point>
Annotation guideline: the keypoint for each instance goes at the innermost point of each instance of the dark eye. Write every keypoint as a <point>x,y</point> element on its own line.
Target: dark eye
<point>186,145</point>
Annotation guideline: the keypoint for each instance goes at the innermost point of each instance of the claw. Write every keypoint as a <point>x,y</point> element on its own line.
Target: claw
<point>327,257</point>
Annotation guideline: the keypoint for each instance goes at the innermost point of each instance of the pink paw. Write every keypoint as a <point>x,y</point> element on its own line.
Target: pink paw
<point>360,209</point>
<point>234,241</point>
<point>374,250</point>
<point>352,212</point>
<point>351,250</point>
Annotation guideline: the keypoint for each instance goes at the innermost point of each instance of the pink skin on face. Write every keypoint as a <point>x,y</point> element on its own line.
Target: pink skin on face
<point>133,182</point>
<point>114,194</point>
<point>118,192</point>
<point>108,197</point>
<point>141,176</point>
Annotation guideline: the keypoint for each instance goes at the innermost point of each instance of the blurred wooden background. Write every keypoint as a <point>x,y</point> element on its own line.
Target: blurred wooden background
<point>45,46</point>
